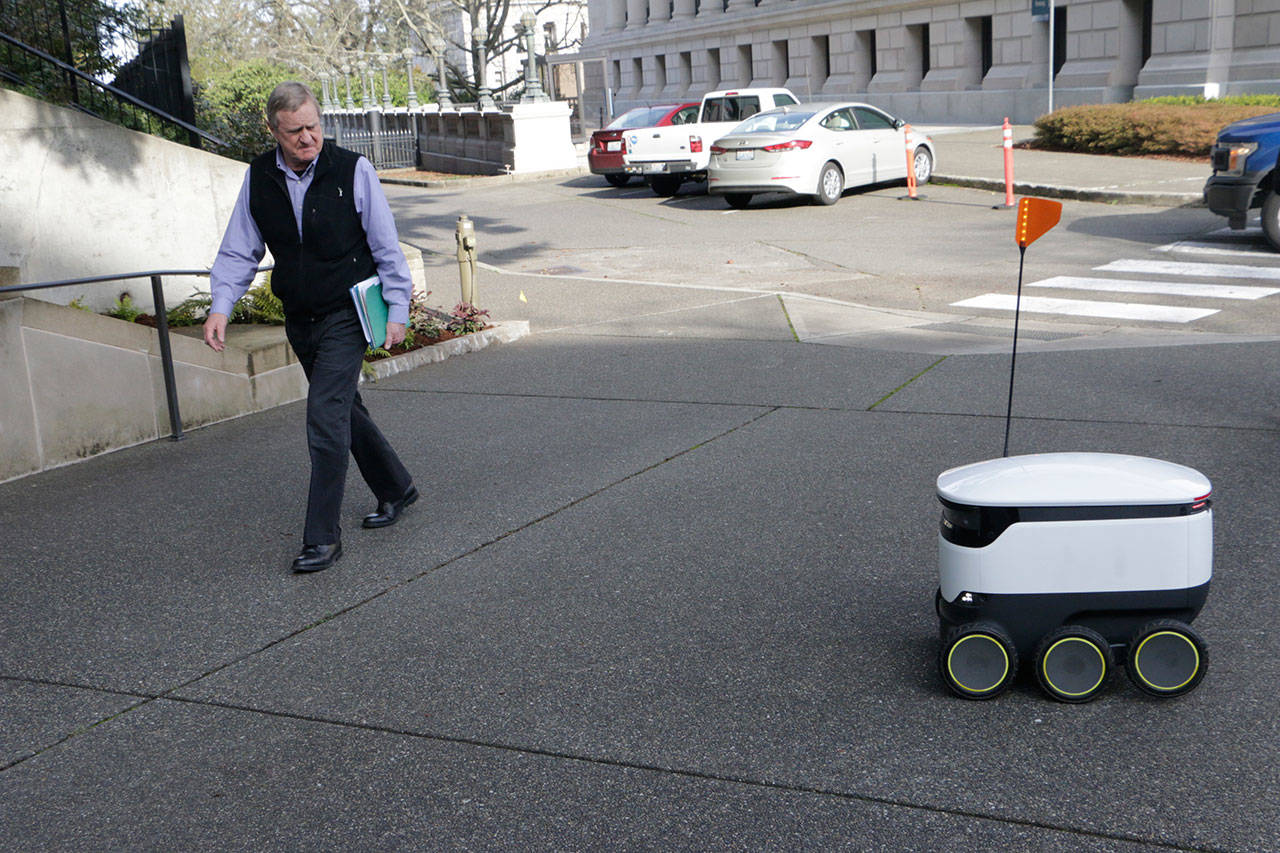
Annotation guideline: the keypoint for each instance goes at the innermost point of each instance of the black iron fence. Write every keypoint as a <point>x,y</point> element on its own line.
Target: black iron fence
<point>111,63</point>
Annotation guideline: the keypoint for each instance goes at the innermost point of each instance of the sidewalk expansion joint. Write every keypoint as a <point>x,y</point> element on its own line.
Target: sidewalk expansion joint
<point>872,407</point>
<point>700,775</point>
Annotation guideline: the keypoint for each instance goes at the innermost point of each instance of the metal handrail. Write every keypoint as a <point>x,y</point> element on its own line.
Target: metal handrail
<point>119,93</point>
<point>162,324</point>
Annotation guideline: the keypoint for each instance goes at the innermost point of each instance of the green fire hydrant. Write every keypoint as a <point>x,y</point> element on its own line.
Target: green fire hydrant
<point>465,234</point>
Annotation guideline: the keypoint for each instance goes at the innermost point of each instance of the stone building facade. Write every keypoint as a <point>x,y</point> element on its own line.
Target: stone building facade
<point>970,61</point>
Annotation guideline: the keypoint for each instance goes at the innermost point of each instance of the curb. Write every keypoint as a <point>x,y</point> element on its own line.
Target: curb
<point>484,180</point>
<point>1157,199</point>
<point>503,332</point>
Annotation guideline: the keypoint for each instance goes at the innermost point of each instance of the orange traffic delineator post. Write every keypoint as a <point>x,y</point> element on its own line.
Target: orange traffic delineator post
<point>1008,164</point>
<point>911,166</point>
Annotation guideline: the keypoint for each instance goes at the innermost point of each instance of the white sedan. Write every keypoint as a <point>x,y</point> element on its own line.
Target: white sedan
<point>815,149</point>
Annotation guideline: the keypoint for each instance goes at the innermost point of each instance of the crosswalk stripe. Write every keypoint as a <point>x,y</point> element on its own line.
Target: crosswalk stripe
<point>1194,247</point>
<point>1087,308</point>
<point>1180,268</point>
<point>1169,288</point>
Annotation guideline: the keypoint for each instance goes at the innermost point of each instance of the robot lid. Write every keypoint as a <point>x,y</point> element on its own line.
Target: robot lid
<point>1073,479</point>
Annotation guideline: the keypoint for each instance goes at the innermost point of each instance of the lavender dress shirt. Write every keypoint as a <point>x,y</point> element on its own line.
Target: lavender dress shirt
<point>242,245</point>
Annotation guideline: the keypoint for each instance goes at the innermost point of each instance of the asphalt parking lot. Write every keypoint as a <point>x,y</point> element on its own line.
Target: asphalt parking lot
<point>671,581</point>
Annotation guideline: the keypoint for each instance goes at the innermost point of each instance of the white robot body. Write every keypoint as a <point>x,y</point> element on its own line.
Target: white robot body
<point>1104,544</point>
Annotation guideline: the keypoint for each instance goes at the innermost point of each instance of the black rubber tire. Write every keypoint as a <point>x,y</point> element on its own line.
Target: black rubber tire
<point>1073,664</point>
<point>922,161</point>
<point>738,201</point>
<point>1167,658</point>
<point>978,660</point>
<point>617,179</point>
<point>830,186</point>
<point>666,186</point>
<point>1271,219</point>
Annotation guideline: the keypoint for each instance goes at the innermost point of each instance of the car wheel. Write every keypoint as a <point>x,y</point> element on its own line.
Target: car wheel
<point>922,165</point>
<point>978,660</point>
<point>830,184</point>
<point>618,179</point>
<point>738,201</point>
<point>1073,663</point>
<point>1166,658</point>
<point>665,186</point>
<point>1271,218</point>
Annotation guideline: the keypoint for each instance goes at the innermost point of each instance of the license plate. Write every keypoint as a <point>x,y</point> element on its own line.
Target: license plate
<point>613,146</point>
<point>745,155</point>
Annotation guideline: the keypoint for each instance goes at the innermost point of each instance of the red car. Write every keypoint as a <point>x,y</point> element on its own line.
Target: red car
<point>607,145</point>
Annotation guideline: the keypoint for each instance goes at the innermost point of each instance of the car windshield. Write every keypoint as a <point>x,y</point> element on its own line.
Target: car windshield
<point>639,117</point>
<point>774,122</point>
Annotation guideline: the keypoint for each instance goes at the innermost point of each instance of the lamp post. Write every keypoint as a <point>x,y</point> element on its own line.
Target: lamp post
<point>532,85</point>
<point>412,96</point>
<point>363,68</point>
<point>437,48</point>
<point>346,77</point>
<point>484,93</point>
<point>324,90</point>
<point>386,89</point>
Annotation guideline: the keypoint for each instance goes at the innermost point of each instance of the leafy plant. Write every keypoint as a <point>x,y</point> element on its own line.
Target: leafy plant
<point>78,304</point>
<point>423,321</point>
<point>124,309</point>
<point>466,318</point>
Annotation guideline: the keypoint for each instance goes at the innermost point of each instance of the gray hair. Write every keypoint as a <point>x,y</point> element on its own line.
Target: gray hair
<point>289,97</point>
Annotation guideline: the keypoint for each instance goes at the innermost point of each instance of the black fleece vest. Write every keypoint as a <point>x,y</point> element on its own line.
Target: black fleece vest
<point>311,276</point>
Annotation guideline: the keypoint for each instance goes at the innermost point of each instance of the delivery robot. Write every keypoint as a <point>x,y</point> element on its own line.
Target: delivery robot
<point>1066,560</point>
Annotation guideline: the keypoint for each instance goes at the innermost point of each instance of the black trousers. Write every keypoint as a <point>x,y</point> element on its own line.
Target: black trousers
<point>330,349</point>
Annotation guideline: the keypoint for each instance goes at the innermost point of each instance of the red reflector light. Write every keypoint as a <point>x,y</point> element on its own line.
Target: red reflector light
<point>718,149</point>
<point>793,145</point>
<point>695,144</point>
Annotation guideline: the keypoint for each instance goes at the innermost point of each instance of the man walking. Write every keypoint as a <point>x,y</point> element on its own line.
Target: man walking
<point>321,210</point>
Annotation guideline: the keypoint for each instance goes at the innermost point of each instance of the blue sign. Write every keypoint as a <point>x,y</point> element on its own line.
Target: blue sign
<point>1039,10</point>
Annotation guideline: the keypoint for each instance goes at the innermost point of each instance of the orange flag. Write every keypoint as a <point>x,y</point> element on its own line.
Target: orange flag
<point>1036,216</point>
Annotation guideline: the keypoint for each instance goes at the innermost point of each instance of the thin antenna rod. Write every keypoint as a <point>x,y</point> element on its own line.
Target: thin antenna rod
<point>1013,362</point>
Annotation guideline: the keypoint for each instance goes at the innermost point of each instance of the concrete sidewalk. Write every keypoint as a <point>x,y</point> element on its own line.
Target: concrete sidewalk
<point>659,594</point>
<point>975,157</point>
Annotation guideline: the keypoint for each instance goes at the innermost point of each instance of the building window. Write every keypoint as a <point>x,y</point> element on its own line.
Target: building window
<point>660,73</point>
<point>745,70</point>
<point>916,59</point>
<point>1059,38</point>
<point>713,68</point>
<point>865,59</point>
<point>781,62</point>
<point>988,44</point>
<point>616,82</point>
<point>924,50</point>
<point>637,72</point>
<point>686,69</point>
<point>819,61</point>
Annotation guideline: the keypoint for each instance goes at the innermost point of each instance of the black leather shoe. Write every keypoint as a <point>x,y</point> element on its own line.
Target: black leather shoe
<point>389,511</point>
<point>313,558</point>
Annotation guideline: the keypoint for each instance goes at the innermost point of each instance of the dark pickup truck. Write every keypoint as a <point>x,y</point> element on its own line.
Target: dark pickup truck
<point>1244,168</point>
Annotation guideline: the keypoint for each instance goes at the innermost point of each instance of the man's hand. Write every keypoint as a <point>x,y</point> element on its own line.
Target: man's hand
<point>215,331</point>
<point>395,334</point>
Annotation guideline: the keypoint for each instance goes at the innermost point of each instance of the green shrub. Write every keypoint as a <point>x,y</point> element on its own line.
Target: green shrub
<point>1141,127</point>
<point>124,309</point>
<point>231,105</point>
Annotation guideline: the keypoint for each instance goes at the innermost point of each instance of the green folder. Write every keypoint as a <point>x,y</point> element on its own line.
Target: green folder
<point>372,309</point>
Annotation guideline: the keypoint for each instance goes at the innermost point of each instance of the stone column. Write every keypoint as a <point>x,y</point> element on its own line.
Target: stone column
<point>659,11</point>
<point>615,14</point>
<point>683,10</point>
<point>636,13</point>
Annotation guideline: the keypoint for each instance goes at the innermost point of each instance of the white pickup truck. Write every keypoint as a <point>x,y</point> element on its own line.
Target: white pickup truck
<point>666,157</point>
